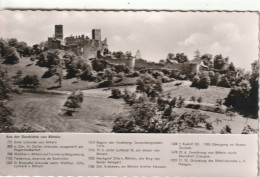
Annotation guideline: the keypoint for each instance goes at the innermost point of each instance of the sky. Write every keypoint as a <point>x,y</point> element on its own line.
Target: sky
<point>155,34</point>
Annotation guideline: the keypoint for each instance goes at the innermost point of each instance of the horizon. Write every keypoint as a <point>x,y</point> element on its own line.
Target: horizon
<point>155,34</point>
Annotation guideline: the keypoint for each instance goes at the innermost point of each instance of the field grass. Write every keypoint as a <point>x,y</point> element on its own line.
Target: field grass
<point>184,90</point>
<point>42,111</point>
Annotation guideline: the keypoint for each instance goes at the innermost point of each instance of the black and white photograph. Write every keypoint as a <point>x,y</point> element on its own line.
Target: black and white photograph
<point>129,72</point>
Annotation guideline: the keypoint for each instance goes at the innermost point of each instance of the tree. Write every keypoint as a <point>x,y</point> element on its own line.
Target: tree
<point>116,93</point>
<point>207,60</point>
<point>238,97</point>
<point>224,82</point>
<point>12,42</point>
<point>147,84</point>
<point>232,67</point>
<point>181,58</point>
<point>219,62</point>
<point>12,56</point>
<point>74,100</point>
<point>195,81</point>
<point>30,82</point>
<point>5,87</point>
<point>204,81</point>
<point>215,79</point>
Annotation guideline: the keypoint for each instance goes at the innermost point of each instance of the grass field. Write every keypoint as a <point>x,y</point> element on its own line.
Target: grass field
<point>209,95</point>
<point>42,111</point>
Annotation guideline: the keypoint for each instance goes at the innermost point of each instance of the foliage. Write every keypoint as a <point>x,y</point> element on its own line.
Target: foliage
<point>204,81</point>
<point>50,72</point>
<point>116,93</point>
<point>18,77</point>
<point>99,64</point>
<point>181,58</point>
<point>224,82</point>
<point>5,87</point>
<point>209,126</point>
<point>74,100</point>
<point>48,59</point>
<point>11,57</point>
<point>220,62</point>
<point>192,98</point>
<point>30,81</point>
<point>249,130</point>
<point>199,99</point>
<point>147,84</point>
<point>225,130</point>
<point>195,81</point>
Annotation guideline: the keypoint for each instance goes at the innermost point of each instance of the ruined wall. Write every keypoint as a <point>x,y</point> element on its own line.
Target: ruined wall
<point>143,64</point>
<point>118,61</point>
<point>184,68</point>
<point>92,48</point>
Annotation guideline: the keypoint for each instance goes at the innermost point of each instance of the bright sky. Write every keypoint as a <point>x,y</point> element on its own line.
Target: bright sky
<point>155,34</point>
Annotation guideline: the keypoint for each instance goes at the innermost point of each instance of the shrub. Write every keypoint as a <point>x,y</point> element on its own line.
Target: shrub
<point>249,130</point>
<point>166,79</point>
<point>123,124</point>
<point>74,100</point>
<point>193,118</point>
<point>199,100</point>
<point>116,93</point>
<point>48,59</point>
<point>209,126</point>
<point>147,84</point>
<point>224,82</point>
<point>225,130</point>
<point>12,57</point>
<point>195,81</point>
<point>30,82</point>
<point>204,82</point>
<point>193,98</point>
<point>49,73</point>
<point>105,83</point>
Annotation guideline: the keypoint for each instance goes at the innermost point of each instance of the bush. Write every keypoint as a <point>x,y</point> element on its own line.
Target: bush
<point>225,130</point>
<point>12,57</point>
<point>30,82</point>
<point>116,93</point>
<point>105,83</point>
<point>166,79</point>
<point>199,100</point>
<point>224,82</point>
<point>193,98</point>
<point>195,81</point>
<point>204,82</point>
<point>48,59</point>
<point>209,126</point>
<point>74,100</point>
<point>249,130</point>
<point>49,73</point>
<point>123,124</point>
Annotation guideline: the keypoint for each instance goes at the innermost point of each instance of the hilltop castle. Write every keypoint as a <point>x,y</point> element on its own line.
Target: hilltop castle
<point>98,48</point>
<point>80,45</point>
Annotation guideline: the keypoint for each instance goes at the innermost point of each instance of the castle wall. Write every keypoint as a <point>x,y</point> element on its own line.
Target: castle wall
<point>184,68</point>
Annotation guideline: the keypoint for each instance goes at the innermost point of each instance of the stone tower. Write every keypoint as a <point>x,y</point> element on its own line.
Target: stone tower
<point>138,55</point>
<point>96,34</point>
<point>59,32</point>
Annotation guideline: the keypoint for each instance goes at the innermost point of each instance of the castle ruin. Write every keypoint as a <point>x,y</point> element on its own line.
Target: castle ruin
<point>98,48</point>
